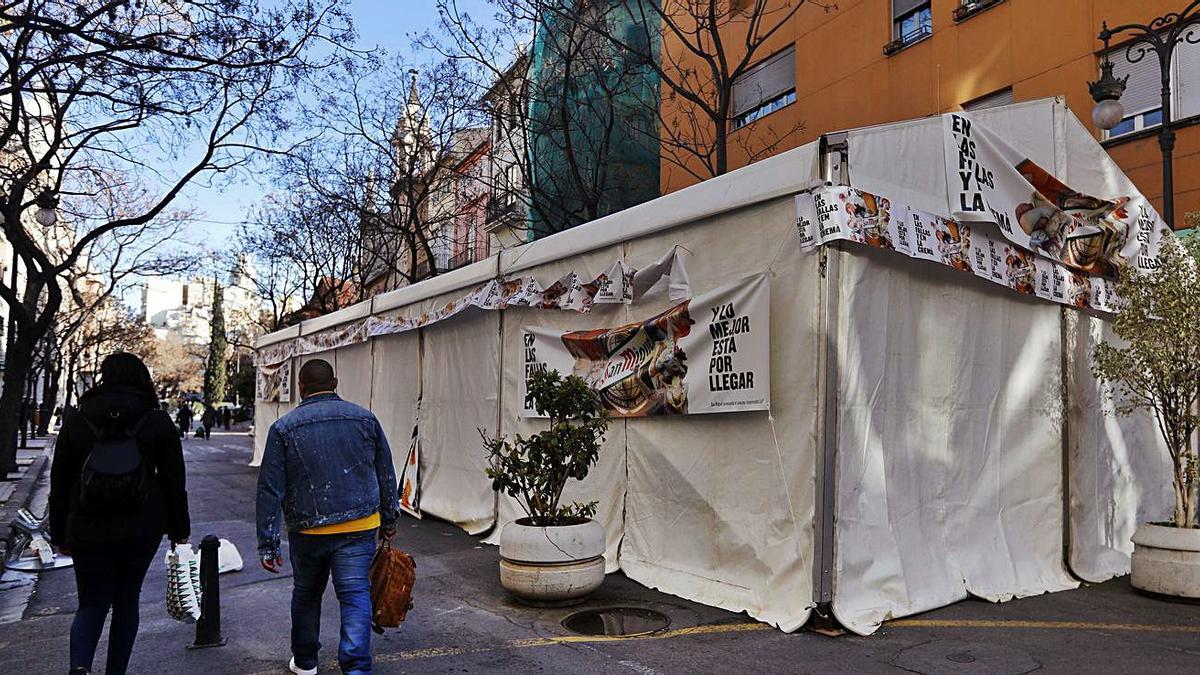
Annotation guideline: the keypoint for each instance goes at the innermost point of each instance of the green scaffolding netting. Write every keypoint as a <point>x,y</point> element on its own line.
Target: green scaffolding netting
<point>593,110</point>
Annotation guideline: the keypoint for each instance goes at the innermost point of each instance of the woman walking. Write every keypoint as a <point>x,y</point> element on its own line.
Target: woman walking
<point>117,485</point>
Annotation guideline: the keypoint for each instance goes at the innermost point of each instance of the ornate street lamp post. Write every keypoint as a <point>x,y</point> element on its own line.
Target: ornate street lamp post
<point>1158,39</point>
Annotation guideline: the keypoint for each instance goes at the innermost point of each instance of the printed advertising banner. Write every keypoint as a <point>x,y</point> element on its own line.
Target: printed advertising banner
<point>274,383</point>
<point>990,181</point>
<point>845,213</point>
<point>709,354</point>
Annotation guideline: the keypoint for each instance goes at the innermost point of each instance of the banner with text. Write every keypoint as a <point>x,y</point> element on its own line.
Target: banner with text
<point>990,181</point>
<point>844,213</point>
<point>709,354</point>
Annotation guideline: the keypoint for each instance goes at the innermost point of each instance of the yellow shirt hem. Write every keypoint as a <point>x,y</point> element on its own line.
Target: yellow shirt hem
<point>357,525</point>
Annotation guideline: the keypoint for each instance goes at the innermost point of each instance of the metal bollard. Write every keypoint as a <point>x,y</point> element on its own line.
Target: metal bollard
<point>208,628</point>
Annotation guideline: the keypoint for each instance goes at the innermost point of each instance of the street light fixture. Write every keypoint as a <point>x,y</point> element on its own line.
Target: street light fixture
<point>1106,92</point>
<point>47,209</point>
<point>1158,39</point>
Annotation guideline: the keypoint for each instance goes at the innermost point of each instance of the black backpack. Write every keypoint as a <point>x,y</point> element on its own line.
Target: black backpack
<point>114,476</point>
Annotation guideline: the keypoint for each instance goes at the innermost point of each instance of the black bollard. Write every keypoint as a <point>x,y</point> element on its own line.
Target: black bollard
<point>208,628</point>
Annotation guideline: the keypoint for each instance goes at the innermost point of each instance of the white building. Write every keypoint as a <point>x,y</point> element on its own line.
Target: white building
<point>186,307</point>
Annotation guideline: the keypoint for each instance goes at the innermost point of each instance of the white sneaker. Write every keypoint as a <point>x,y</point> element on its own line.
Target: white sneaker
<point>298,670</point>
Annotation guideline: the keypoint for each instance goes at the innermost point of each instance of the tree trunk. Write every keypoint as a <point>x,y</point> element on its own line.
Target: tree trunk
<point>49,396</point>
<point>18,363</point>
<point>722,148</point>
<point>72,368</point>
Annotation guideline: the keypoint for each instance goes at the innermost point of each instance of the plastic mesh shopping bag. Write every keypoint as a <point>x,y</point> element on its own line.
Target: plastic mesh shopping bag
<point>183,584</point>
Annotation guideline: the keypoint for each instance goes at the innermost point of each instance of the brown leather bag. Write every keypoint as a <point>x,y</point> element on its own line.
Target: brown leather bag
<point>392,575</point>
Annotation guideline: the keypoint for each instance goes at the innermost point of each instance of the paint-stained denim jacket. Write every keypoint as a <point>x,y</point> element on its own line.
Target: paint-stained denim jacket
<point>325,462</point>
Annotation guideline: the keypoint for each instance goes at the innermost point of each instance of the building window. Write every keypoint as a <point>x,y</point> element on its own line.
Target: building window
<point>912,20</point>
<point>992,100</point>
<point>765,88</point>
<point>1142,99</point>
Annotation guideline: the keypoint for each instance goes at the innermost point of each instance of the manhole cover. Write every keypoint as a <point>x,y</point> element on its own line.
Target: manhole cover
<point>619,621</point>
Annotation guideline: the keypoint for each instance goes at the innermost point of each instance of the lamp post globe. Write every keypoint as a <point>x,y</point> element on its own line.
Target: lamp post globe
<point>1108,114</point>
<point>1107,92</point>
<point>45,217</point>
<point>46,214</point>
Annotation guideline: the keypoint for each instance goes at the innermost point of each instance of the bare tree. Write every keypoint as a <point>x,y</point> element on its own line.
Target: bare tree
<point>274,280</point>
<point>370,197</point>
<point>699,50</point>
<point>152,94</point>
<point>178,367</point>
<point>308,248</point>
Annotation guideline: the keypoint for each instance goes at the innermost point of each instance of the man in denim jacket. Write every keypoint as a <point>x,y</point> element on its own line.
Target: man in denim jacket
<point>327,463</point>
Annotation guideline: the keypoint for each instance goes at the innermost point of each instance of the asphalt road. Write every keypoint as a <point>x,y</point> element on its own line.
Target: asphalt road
<point>463,622</point>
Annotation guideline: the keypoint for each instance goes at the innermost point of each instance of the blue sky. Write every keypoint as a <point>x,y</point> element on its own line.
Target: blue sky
<point>385,23</point>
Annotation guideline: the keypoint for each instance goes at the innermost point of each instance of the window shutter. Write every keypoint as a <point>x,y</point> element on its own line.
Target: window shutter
<point>1143,91</point>
<point>993,100</point>
<point>902,7</point>
<point>1187,79</point>
<point>774,76</point>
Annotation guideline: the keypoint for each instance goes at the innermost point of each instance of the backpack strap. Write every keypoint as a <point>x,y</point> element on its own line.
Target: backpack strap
<point>78,414</point>
<point>141,421</point>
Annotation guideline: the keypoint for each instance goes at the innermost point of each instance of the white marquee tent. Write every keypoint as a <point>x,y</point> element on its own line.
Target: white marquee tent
<point>931,436</point>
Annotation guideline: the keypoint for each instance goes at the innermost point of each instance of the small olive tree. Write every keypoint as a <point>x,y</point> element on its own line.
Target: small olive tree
<point>1158,366</point>
<point>535,470</point>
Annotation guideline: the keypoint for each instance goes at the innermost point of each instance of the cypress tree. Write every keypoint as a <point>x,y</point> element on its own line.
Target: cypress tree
<point>218,347</point>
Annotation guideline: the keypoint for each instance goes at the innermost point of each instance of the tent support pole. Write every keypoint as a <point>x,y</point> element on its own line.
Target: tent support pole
<point>826,459</point>
<point>1069,325</point>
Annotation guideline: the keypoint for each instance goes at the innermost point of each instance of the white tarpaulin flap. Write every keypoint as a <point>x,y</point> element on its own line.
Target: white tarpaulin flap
<point>1120,469</point>
<point>949,442</point>
<point>353,366</point>
<point>460,369</point>
<point>720,507</point>
<point>265,414</point>
<point>395,386</point>
<point>671,268</point>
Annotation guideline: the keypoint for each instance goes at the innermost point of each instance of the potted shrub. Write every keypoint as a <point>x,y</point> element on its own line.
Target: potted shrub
<point>554,556</point>
<point>1157,368</point>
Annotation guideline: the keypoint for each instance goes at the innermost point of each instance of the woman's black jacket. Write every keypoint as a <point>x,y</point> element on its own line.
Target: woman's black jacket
<point>166,507</point>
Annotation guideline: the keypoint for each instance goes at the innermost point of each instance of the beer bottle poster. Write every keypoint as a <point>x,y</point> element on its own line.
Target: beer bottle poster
<point>709,354</point>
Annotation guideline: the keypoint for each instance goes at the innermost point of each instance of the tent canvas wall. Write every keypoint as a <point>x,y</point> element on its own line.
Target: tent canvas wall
<point>909,458</point>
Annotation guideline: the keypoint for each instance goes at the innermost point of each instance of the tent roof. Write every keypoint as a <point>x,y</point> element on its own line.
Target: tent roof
<point>903,160</point>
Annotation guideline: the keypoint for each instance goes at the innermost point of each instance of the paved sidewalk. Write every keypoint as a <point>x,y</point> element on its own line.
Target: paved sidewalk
<point>31,461</point>
<point>463,621</point>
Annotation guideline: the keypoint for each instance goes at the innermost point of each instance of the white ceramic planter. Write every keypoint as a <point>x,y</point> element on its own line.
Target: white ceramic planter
<point>1166,560</point>
<point>552,566</point>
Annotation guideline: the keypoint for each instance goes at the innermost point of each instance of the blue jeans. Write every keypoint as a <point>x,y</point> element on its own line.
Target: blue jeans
<point>348,558</point>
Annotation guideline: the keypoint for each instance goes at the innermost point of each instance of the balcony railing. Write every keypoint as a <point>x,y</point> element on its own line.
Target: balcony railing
<point>462,259</point>
<point>502,208</point>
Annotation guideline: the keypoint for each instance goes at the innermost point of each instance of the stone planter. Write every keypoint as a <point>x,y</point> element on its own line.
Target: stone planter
<point>551,566</point>
<point>1166,560</point>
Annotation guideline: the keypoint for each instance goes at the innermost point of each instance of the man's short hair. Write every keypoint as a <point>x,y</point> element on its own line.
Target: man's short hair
<point>316,373</point>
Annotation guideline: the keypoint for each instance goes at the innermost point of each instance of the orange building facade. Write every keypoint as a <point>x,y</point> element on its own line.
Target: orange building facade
<point>961,54</point>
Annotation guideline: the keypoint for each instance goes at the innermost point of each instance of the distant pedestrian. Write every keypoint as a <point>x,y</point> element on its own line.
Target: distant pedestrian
<point>227,417</point>
<point>109,517</point>
<point>184,419</point>
<point>327,464</point>
<point>208,420</point>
